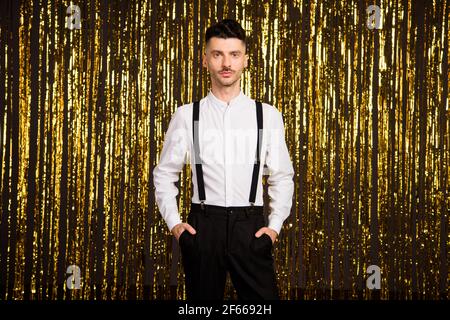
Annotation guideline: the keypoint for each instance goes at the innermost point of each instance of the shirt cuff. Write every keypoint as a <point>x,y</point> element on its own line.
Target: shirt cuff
<point>172,220</point>
<point>275,223</point>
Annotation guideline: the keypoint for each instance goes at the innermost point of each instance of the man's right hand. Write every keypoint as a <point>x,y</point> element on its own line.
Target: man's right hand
<point>179,229</point>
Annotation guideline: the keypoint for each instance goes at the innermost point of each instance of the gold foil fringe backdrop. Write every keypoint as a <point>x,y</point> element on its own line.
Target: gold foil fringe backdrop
<point>84,109</point>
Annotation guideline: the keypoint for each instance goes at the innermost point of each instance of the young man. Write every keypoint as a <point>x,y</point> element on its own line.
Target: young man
<point>226,136</point>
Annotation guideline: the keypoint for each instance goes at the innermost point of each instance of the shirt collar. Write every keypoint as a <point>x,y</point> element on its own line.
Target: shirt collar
<point>223,104</point>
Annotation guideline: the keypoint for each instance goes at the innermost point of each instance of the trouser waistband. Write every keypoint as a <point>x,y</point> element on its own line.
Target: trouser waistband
<point>212,209</point>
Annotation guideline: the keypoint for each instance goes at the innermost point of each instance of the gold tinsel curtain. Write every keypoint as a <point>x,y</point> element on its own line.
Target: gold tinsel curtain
<point>84,112</point>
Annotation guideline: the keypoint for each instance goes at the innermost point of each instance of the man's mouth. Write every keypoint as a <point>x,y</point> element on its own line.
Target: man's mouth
<point>225,73</point>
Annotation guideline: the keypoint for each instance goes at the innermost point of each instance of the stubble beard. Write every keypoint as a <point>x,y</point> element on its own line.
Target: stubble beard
<point>227,82</point>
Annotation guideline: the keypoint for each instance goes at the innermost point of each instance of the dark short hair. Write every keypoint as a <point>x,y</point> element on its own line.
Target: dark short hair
<point>225,29</point>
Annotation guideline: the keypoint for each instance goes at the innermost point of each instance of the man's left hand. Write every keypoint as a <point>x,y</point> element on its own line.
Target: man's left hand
<point>270,232</point>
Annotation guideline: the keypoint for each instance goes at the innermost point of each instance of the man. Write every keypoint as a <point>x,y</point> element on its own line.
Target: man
<point>226,229</point>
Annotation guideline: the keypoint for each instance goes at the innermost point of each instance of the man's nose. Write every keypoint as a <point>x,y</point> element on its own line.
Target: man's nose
<point>226,62</point>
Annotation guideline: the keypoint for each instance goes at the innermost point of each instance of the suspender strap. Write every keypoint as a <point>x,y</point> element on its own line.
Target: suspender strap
<point>197,160</point>
<point>198,163</point>
<point>259,119</point>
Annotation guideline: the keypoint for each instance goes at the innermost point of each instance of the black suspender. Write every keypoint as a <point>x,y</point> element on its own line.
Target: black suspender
<point>198,164</point>
<point>259,119</point>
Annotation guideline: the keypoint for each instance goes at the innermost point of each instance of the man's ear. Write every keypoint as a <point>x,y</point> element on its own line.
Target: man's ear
<point>204,63</point>
<point>246,61</point>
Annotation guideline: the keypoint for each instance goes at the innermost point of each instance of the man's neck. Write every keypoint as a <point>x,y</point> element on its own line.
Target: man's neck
<point>226,93</point>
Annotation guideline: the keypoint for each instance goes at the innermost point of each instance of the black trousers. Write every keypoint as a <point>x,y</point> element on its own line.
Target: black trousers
<point>225,241</point>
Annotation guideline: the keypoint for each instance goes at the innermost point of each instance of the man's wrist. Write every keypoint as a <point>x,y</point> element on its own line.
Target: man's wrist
<point>275,224</point>
<point>173,220</point>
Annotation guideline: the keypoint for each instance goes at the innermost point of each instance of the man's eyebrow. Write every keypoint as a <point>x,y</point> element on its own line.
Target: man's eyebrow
<point>218,51</point>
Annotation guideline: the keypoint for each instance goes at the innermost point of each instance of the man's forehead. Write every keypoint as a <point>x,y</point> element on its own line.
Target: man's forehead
<point>225,45</point>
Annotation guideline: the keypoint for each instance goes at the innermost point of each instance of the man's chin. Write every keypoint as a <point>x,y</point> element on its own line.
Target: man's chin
<point>227,82</point>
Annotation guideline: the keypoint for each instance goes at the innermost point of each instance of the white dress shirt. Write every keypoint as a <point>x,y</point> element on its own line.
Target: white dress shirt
<point>227,139</point>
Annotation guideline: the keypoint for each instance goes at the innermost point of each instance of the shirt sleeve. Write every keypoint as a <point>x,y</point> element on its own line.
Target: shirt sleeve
<point>281,173</point>
<point>166,173</point>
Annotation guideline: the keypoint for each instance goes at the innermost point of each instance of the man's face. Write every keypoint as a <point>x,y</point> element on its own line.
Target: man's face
<point>225,59</point>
